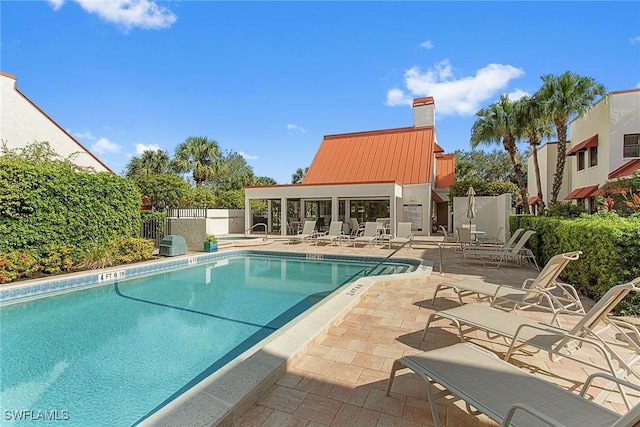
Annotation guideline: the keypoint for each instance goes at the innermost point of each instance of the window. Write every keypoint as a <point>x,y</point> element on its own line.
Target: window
<point>593,156</point>
<point>631,145</point>
<point>581,160</point>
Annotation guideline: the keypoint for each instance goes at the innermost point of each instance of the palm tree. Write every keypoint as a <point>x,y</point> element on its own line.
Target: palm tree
<point>198,155</point>
<point>531,118</point>
<point>150,162</point>
<point>496,124</point>
<point>299,175</point>
<point>564,96</point>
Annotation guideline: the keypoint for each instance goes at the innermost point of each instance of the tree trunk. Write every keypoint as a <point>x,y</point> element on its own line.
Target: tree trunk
<point>510,146</point>
<point>561,127</point>
<point>536,169</point>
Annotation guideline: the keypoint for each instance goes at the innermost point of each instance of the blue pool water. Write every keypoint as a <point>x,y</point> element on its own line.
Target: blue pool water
<point>112,355</point>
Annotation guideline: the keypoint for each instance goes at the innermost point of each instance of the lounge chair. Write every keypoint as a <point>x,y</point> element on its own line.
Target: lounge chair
<point>356,228</point>
<point>308,231</point>
<point>513,239</point>
<point>503,254</point>
<point>507,394</point>
<point>532,290</point>
<point>404,235</point>
<point>369,235</point>
<point>493,240</point>
<point>521,331</point>
<point>334,235</point>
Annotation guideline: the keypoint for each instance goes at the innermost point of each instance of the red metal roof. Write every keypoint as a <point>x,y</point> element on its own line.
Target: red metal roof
<point>626,169</point>
<point>403,155</point>
<point>530,201</point>
<point>435,197</point>
<point>445,170</point>
<point>582,192</point>
<point>590,142</point>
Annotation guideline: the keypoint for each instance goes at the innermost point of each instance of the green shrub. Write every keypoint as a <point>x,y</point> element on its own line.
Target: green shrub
<point>16,264</point>
<point>131,249</point>
<point>97,256</point>
<point>44,206</point>
<point>610,246</point>
<point>58,259</point>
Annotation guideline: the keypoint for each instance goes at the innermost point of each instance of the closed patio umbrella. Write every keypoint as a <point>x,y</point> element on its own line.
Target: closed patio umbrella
<point>471,204</point>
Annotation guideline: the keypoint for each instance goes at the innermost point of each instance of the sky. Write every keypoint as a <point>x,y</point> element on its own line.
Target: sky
<point>270,79</point>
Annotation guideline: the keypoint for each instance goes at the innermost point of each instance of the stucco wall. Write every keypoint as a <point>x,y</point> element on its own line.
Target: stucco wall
<point>22,123</point>
<point>492,212</point>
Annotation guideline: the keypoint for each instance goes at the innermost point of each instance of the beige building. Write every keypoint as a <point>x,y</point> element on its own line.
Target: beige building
<point>22,123</point>
<point>604,145</point>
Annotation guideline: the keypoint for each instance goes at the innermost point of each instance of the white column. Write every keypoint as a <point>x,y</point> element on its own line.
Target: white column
<point>283,216</point>
<point>335,208</point>
<point>247,213</point>
<point>269,216</point>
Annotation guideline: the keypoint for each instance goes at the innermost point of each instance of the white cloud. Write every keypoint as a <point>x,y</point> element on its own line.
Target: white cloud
<point>145,14</point>
<point>462,96</point>
<point>56,4</point>
<point>103,145</point>
<point>295,128</point>
<point>85,135</point>
<point>141,148</point>
<point>427,44</point>
<point>517,94</point>
<point>635,40</point>
<point>247,156</point>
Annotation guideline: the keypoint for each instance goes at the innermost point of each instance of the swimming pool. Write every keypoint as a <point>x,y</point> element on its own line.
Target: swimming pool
<point>113,354</point>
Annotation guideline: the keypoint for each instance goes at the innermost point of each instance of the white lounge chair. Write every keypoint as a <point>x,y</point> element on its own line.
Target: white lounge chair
<point>521,331</point>
<point>513,239</point>
<point>308,231</point>
<point>500,255</point>
<point>507,394</point>
<point>333,236</point>
<point>369,235</point>
<point>532,291</point>
<point>404,235</point>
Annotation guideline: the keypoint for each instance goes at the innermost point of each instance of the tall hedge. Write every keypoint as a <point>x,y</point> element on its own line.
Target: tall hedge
<point>44,206</point>
<point>610,246</point>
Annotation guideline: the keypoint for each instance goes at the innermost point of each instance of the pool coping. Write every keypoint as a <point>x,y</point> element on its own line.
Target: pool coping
<point>224,396</point>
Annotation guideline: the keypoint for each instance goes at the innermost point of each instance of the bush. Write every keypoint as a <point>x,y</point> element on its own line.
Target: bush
<point>610,246</point>
<point>58,259</point>
<point>54,205</point>
<point>97,256</point>
<point>131,249</point>
<point>16,264</point>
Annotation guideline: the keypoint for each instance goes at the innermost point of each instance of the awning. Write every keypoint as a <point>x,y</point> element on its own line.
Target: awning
<point>582,192</point>
<point>530,201</point>
<point>626,169</point>
<point>591,142</point>
<point>435,197</point>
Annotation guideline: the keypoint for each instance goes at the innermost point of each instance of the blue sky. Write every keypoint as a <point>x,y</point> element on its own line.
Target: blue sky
<point>270,79</point>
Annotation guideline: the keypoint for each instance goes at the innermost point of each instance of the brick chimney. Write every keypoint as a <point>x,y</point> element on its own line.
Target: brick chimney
<point>424,112</point>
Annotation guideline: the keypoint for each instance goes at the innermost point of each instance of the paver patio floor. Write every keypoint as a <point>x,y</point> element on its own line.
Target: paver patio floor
<point>341,380</point>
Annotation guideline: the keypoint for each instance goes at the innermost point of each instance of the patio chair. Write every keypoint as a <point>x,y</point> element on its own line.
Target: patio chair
<point>503,254</point>
<point>532,291</point>
<point>507,394</point>
<point>369,235</point>
<point>404,235</point>
<point>308,231</point>
<point>463,238</point>
<point>519,331</point>
<point>334,234</point>
<point>448,238</point>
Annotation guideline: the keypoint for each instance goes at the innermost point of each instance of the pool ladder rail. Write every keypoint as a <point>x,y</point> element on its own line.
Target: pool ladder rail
<point>254,226</point>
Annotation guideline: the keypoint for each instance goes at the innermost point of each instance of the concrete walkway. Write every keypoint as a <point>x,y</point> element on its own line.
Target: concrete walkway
<point>341,380</point>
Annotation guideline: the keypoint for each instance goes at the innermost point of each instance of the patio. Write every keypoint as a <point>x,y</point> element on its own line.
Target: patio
<point>342,378</point>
